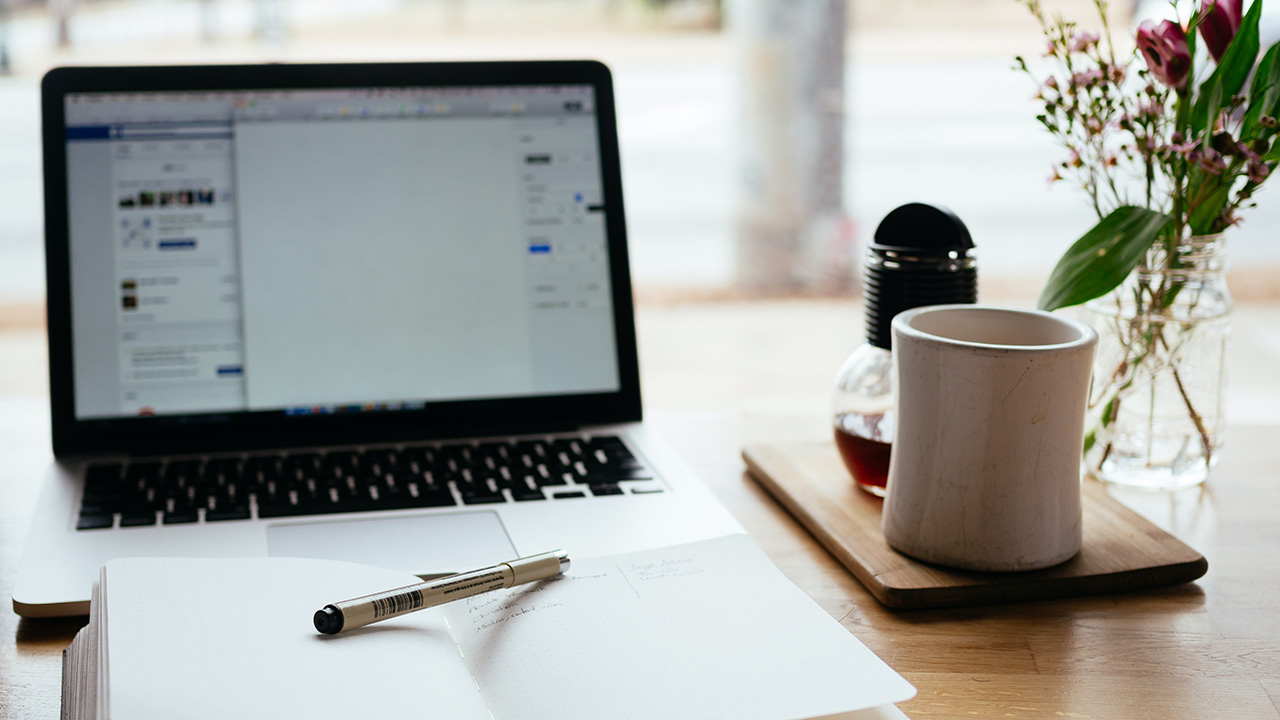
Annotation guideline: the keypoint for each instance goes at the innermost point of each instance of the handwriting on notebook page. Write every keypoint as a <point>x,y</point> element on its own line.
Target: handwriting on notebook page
<point>485,612</point>
<point>664,569</point>
<point>491,610</point>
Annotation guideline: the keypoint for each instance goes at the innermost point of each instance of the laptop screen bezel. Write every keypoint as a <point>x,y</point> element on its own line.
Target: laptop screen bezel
<point>214,432</point>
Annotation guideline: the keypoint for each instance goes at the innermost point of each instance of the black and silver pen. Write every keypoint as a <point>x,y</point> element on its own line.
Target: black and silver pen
<point>377,607</point>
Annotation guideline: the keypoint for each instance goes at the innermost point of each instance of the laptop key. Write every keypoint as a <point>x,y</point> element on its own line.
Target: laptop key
<point>606,489</point>
<point>481,496</point>
<point>421,495</point>
<point>526,495</point>
<point>279,509</point>
<point>545,477</point>
<point>99,505</point>
<point>571,494</point>
<point>95,521</point>
<point>138,518</point>
<point>235,512</point>
<point>136,505</point>
<point>180,517</point>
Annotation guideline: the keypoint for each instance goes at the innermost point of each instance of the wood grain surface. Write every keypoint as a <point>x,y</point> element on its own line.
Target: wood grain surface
<point>1122,551</point>
<point>1199,650</point>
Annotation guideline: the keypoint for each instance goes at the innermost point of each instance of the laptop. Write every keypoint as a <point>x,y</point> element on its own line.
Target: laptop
<point>370,312</point>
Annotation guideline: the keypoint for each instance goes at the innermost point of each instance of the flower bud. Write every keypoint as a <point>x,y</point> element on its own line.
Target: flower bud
<point>1223,143</point>
<point>1220,24</point>
<point>1164,47</point>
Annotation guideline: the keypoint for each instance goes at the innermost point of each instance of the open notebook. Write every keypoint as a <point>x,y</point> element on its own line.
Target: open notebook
<point>707,629</point>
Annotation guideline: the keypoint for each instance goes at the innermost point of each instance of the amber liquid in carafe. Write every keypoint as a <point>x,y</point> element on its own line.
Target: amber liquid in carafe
<point>867,460</point>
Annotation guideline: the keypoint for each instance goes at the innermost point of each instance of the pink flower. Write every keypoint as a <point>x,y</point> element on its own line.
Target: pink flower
<point>1084,41</point>
<point>1246,152</point>
<point>1220,23</point>
<point>1180,147</point>
<point>1164,47</point>
<point>1086,78</point>
<point>1212,162</point>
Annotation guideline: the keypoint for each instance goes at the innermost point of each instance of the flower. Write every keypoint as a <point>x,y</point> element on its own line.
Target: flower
<point>1083,41</point>
<point>1178,146</point>
<point>1220,23</point>
<point>1212,162</point>
<point>1086,78</point>
<point>1150,108</point>
<point>1164,47</point>
<point>1164,157</point>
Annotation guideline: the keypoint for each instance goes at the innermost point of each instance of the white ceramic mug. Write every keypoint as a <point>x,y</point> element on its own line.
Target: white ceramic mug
<point>985,470</point>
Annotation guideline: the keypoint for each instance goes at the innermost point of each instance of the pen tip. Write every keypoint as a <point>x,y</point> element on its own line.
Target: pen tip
<point>328,620</point>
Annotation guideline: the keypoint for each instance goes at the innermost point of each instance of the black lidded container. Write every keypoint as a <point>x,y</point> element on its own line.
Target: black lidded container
<point>921,255</point>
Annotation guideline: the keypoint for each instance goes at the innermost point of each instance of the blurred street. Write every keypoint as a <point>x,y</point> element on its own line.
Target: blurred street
<point>933,113</point>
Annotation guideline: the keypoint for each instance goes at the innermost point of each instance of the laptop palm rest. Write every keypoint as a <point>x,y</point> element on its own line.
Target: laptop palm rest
<point>422,545</point>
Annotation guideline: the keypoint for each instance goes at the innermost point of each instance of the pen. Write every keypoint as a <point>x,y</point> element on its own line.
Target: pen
<point>361,611</point>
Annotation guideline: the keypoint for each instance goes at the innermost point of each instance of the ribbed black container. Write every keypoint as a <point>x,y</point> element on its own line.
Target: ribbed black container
<point>922,255</point>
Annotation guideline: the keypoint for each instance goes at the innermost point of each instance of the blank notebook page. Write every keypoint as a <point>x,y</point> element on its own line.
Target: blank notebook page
<point>236,640</point>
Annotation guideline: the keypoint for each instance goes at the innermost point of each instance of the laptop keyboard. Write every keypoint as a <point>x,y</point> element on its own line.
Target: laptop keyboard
<point>215,489</point>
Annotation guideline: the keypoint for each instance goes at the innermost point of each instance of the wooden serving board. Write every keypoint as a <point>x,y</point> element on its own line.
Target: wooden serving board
<point>1122,550</point>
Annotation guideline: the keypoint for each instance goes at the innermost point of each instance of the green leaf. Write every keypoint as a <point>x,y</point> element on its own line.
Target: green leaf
<point>1203,217</point>
<point>1264,92</point>
<point>1100,260</point>
<point>1231,72</point>
<point>1212,108</point>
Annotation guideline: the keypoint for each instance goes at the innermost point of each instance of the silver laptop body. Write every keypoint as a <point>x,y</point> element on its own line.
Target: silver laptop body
<point>378,313</point>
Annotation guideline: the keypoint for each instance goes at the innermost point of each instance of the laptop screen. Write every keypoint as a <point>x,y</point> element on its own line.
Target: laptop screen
<point>336,250</point>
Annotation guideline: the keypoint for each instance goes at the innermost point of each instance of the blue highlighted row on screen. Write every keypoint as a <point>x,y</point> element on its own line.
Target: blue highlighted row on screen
<point>539,249</point>
<point>177,244</point>
<point>230,370</point>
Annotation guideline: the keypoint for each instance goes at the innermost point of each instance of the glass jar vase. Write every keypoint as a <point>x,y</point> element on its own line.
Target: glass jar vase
<point>1159,377</point>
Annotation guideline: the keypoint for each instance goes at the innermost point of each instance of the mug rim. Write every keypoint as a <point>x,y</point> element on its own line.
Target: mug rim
<point>901,326</point>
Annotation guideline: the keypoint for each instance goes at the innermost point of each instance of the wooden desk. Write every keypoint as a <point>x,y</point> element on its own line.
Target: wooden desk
<point>1203,650</point>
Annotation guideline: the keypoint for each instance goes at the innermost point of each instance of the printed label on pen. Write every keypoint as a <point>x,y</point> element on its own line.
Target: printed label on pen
<point>470,583</point>
<point>396,604</point>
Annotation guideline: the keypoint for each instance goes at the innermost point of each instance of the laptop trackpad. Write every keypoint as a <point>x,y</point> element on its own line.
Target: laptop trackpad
<point>422,545</point>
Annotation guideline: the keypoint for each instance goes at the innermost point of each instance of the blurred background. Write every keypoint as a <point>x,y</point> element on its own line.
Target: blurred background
<point>762,141</point>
